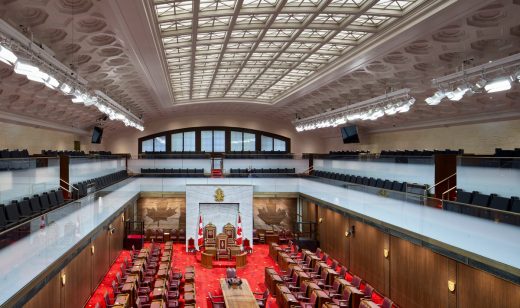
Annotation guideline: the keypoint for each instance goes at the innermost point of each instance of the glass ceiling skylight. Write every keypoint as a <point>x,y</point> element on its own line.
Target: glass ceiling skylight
<point>259,49</point>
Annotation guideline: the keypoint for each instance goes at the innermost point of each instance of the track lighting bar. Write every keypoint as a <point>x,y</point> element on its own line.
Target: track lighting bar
<point>37,65</point>
<point>388,104</point>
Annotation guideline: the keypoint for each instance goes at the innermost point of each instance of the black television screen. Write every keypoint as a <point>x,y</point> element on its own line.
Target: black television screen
<point>97,133</point>
<point>350,134</point>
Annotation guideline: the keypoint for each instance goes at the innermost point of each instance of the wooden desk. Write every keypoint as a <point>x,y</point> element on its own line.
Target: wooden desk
<point>366,303</point>
<point>273,251</point>
<point>288,300</point>
<point>206,260</point>
<point>211,251</point>
<point>241,260</point>
<point>129,288</point>
<point>302,276</point>
<point>234,250</point>
<point>314,259</point>
<point>131,278</point>
<point>331,305</point>
<point>271,238</point>
<point>162,273</point>
<point>355,296</point>
<point>344,283</point>
<point>311,286</point>
<point>322,298</point>
<point>160,283</point>
<point>189,297</point>
<point>280,290</point>
<point>167,254</point>
<point>123,300</point>
<point>165,259</point>
<point>241,297</point>
<point>159,293</point>
<point>189,277</point>
<point>190,269</point>
<point>157,304</point>
<point>142,255</point>
<point>273,281</point>
<point>331,275</point>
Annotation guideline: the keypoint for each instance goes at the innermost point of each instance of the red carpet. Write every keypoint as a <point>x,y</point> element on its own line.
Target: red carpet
<point>206,280</point>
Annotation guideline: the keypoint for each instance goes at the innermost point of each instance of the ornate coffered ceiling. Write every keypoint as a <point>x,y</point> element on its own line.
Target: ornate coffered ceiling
<point>262,58</point>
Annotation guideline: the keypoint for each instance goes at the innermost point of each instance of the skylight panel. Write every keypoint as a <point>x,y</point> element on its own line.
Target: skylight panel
<point>393,5</point>
<point>214,5</point>
<point>370,20</point>
<point>259,3</point>
<point>291,18</point>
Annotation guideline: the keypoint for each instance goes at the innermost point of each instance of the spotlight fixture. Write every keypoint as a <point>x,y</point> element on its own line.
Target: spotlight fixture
<point>372,109</point>
<point>473,80</point>
<point>39,66</point>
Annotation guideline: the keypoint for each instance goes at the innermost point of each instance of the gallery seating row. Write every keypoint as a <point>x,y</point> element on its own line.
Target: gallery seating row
<point>18,212</point>
<point>103,153</point>
<point>61,152</point>
<point>171,172</point>
<point>419,152</point>
<point>507,153</point>
<point>81,189</point>
<point>348,152</point>
<point>6,153</point>
<point>366,181</point>
<point>484,202</point>
<point>262,172</point>
<point>258,155</point>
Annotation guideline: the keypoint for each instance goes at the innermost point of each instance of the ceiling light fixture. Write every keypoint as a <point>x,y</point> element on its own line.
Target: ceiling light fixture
<point>460,81</point>
<point>38,65</point>
<point>372,109</point>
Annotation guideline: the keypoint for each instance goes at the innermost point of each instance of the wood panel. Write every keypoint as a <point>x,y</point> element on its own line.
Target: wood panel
<point>366,254</point>
<point>76,290</point>
<point>418,276</point>
<point>49,296</point>
<point>476,289</point>
<point>100,259</point>
<point>116,239</point>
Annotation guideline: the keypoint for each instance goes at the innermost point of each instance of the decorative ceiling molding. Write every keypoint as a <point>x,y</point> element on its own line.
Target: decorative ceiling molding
<point>30,121</point>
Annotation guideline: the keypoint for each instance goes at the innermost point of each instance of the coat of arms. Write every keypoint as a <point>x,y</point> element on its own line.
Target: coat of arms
<point>219,195</point>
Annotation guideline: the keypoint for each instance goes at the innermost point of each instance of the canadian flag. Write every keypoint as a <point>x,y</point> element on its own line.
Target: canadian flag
<point>200,236</point>
<point>239,231</point>
<point>42,222</point>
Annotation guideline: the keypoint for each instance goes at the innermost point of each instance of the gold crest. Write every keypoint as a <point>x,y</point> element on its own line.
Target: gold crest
<point>383,193</point>
<point>219,195</point>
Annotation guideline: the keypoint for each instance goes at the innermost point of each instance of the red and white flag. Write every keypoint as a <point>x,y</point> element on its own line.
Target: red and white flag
<point>200,236</point>
<point>42,222</point>
<point>239,231</point>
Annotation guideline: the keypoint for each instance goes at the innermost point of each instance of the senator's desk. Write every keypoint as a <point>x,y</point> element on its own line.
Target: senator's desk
<point>159,293</point>
<point>302,277</point>
<point>272,280</point>
<point>343,283</point>
<point>280,290</point>
<point>241,260</point>
<point>130,289</point>
<point>164,265</point>
<point>331,305</point>
<point>366,303</point>
<point>162,273</point>
<point>322,298</point>
<point>331,275</point>
<point>160,283</point>
<point>158,303</point>
<point>271,238</point>
<point>288,301</point>
<point>355,296</point>
<point>165,259</point>
<point>206,260</point>
<point>314,259</point>
<point>240,297</point>
<point>311,286</point>
<point>274,249</point>
<point>122,301</point>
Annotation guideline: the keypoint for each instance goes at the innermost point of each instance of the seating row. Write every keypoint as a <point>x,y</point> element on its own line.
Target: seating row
<point>484,201</point>
<point>62,152</point>
<point>310,279</point>
<point>507,153</point>
<point>179,172</point>
<point>104,153</point>
<point>379,183</point>
<point>419,152</point>
<point>6,153</point>
<point>348,152</point>
<point>18,212</point>
<point>80,189</point>
<point>238,172</point>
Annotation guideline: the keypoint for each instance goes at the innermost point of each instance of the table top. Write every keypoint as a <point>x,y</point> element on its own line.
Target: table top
<point>241,297</point>
<point>160,283</point>
<point>368,304</point>
<point>122,299</point>
<point>157,304</point>
<point>131,278</point>
<point>128,287</point>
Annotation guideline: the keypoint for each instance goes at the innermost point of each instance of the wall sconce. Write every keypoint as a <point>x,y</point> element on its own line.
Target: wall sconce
<point>350,232</point>
<point>92,249</point>
<point>386,253</point>
<point>123,217</point>
<point>63,279</point>
<point>451,285</point>
<point>111,229</point>
<point>320,220</point>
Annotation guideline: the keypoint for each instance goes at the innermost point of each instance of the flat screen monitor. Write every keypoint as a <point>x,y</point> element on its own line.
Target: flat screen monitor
<point>97,133</point>
<point>350,134</point>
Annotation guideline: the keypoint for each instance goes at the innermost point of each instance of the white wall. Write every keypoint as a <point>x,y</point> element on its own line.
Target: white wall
<point>480,138</point>
<point>125,141</point>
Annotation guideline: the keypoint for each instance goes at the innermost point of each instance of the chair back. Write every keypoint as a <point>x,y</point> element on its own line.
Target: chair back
<point>324,257</point>
<point>313,299</point>
<point>231,272</point>
<point>368,290</point>
<point>343,272</point>
<point>246,243</point>
<point>191,242</point>
<point>387,303</point>
<point>356,281</point>
<point>346,294</point>
<point>222,241</point>
<point>318,251</point>
<point>106,299</point>
<point>229,230</point>
<point>336,286</point>
<point>334,264</point>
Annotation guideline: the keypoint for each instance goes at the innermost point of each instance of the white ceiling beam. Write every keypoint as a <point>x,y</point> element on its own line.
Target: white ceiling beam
<point>194,29</point>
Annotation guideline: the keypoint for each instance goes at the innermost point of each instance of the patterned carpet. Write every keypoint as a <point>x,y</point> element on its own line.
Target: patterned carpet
<point>206,280</point>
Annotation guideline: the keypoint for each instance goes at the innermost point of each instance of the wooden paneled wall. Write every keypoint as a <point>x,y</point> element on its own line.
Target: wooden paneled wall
<point>83,273</point>
<point>412,275</point>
